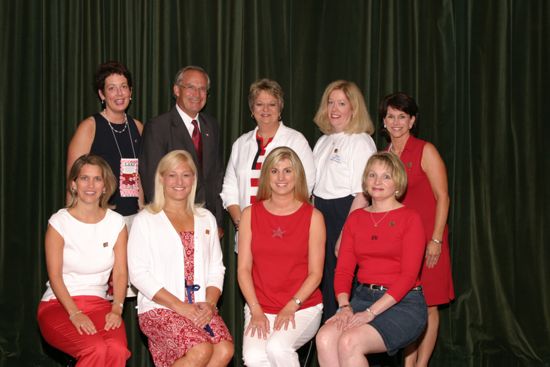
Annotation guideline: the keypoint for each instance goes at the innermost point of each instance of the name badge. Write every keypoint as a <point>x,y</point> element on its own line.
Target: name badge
<point>336,158</point>
<point>129,179</point>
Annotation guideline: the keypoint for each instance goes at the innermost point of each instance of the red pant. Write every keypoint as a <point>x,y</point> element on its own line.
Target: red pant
<point>105,348</point>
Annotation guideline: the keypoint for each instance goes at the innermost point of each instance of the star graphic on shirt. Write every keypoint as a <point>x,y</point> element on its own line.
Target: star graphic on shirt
<point>278,233</point>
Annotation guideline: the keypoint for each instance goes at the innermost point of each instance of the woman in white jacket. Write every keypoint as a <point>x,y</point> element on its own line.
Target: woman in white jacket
<point>240,184</point>
<point>175,262</point>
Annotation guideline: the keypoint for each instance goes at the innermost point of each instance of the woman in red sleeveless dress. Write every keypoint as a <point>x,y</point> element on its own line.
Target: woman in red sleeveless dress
<point>428,194</point>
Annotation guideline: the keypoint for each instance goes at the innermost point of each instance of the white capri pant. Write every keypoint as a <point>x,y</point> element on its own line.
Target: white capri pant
<point>279,349</point>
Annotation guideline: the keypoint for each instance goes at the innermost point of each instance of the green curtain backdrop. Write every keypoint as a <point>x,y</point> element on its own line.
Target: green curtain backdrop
<point>479,70</point>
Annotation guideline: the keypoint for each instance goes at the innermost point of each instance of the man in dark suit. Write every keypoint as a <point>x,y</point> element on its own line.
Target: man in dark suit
<point>177,129</point>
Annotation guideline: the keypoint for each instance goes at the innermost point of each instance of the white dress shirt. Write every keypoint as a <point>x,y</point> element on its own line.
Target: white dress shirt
<point>340,160</point>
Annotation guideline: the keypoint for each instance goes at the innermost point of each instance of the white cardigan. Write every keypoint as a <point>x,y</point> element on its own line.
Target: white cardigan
<point>156,257</point>
<point>236,183</point>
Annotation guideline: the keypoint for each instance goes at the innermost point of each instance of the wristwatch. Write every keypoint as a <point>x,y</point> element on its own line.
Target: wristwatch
<point>297,301</point>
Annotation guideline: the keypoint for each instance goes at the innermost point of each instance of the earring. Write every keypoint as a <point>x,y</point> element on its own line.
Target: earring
<point>252,116</point>
<point>396,193</point>
<point>103,104</point>
<point>384,126</point>
<point>280,118</point>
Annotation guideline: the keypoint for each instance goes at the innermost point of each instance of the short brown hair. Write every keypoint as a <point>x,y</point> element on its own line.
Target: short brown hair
<point>106,173</point>
<point>107,69</point>
<point>269,86</point>
<point>360,121</point>
<point>396,168</point>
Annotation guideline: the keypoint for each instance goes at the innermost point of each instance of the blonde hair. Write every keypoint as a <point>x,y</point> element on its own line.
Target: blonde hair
<point>360,121</point>
<point>107,175</point>
<point>167,163</point>
<point>396,167</point>
<point>301,192</point>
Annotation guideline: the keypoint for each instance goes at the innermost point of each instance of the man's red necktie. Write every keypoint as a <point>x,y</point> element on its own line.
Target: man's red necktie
<point>197,140</point>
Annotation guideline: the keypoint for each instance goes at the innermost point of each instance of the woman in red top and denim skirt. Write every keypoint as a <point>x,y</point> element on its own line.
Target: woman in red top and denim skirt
<point>386,241</point>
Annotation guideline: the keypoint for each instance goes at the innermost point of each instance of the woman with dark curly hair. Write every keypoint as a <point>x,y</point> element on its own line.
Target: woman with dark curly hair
<point>114,136</point>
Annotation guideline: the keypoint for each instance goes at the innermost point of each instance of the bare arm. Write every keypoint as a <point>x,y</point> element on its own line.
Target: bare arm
<point>139,126</point>
<point>316,257</point>
<point>81,143</point>
<point>259,322</point>
<point>235,213</point>
<point>54,263</point>
<point>113,319</point>
<point>435,169</point>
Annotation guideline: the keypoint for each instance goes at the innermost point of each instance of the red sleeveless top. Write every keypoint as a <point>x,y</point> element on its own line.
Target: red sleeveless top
<point>280,246</point>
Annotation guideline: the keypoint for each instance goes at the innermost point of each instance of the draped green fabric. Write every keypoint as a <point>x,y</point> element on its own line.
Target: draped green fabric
<point>478,69</point>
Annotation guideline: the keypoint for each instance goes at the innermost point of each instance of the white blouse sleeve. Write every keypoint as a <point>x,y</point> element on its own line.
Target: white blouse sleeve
<point>140,258</point>
<point>216,269</point>
<point>302,148</point>
<point>230,188</point>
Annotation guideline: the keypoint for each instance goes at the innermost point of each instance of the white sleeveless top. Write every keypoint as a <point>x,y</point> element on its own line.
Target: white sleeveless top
<point>88,255</point>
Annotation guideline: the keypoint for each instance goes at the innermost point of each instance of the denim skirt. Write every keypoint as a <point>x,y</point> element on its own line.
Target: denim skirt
<point>400,324</point>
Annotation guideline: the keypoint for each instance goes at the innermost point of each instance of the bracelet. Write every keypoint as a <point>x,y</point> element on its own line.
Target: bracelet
<point>340,308</point>
<point>439,242</point>
<point>74,313</point>
<point>119,304</point>
<point>371,312</point>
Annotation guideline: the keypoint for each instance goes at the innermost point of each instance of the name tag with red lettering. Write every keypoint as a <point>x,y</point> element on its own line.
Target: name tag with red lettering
<point>129,179</point>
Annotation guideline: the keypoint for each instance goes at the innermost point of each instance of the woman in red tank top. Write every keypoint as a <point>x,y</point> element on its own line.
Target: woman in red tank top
<point>281,254</point>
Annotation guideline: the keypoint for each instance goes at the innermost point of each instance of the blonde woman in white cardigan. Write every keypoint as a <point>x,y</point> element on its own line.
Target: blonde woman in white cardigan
<point>175,262</point>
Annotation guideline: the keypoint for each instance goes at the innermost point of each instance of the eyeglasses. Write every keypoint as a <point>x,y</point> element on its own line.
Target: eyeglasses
<point>193,89</point>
